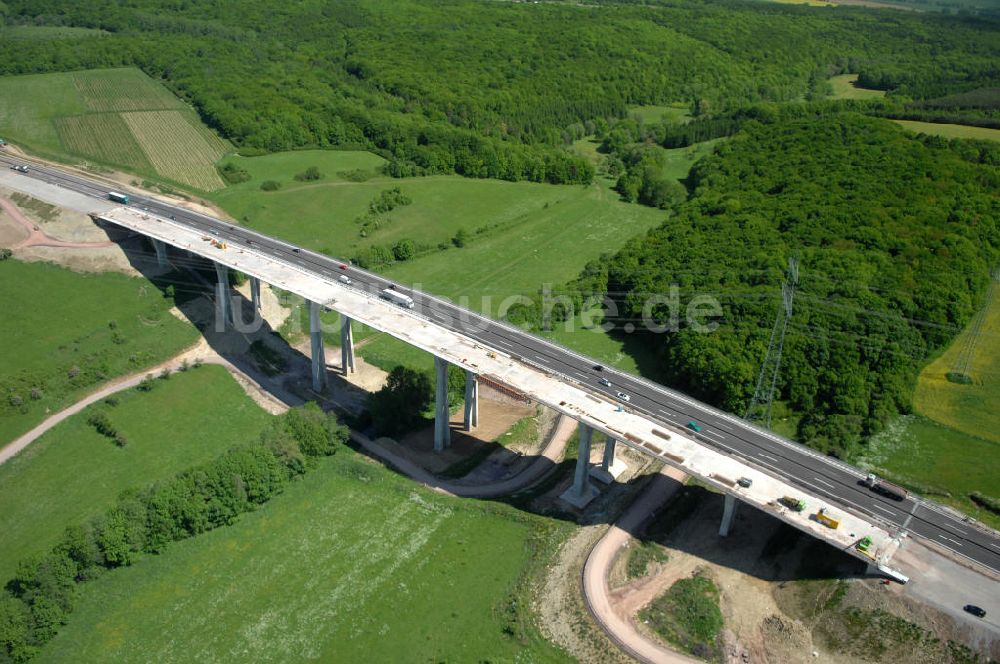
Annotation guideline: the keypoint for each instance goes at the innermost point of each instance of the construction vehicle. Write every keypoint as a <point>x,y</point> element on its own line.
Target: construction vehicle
<point>118,198</point>
<point>792,503</point>
<point>864,544</point>
<point>822,517</point>
<point>888,489</point>
<point>218,244</point>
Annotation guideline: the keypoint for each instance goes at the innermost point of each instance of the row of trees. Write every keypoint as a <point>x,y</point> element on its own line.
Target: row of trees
<point>40,597</point>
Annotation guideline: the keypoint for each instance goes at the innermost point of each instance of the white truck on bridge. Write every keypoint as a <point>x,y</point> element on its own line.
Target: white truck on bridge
<point>398,298</point>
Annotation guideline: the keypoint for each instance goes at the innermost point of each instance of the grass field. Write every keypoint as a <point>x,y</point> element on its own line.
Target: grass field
<point>938,461</point>
<point>529,234</point>
<point>64,333</point>
<point>950,130</point>
<point>680,160</point>
<point>672,113</point>
<point>72,472</point>
<point>688,616</point>
<point>351,564</point>
<point>115,117</point>
<point>844,87</point>
<point>971,408</point>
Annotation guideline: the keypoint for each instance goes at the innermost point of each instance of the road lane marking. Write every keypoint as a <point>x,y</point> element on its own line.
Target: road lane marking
<point>948,539</point>
<point>725,426</point>
<point>767,456</point>
<point>882,509</point>
<point>995,546</point>
<point>717,435</point>
<point>824,482</point>
<point>665,412</point>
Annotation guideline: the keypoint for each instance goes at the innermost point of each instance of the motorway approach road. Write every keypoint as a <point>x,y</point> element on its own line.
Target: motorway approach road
<point>725,432</point>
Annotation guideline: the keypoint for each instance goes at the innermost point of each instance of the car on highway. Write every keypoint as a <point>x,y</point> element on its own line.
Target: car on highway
<point>605,382</point>
<point>19,168</point>
<point>295,250</point>
<point>344,279</point>
<point>694,426</point>
<point>623,396</point>
<point>598,367</point>
<point>343,266</point>
<point>979,612</point>
<point>745,482</point>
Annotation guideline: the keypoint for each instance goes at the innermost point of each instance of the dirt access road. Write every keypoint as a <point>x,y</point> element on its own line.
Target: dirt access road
<point>602,556</point>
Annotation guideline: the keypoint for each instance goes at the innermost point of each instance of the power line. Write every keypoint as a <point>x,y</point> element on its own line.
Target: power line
<point>966,354</point>
<point>763,396</point>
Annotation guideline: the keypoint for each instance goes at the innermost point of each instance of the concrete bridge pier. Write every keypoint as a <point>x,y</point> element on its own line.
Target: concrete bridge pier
<point>223,301</point>
<point>728,512</point>
<point>611,468</point>
<point>318,352</point>
<point>582,491</point>
<point>442,432</point>
<point>471,400</point>
<point>161,253</point>
<point>346,345</point>
<point>255,294</point>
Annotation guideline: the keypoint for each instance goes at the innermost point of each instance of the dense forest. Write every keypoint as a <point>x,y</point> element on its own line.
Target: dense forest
<point>492,89</point>
<point>895,237</point>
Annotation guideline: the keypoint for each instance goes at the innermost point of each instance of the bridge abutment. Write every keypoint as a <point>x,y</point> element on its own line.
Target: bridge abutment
<point>728,513</point>
<point>346,345</point>
<point>471,419</point>
<point>223,300</point>
<point>442,432</point>
<point>318,352</point>
<point>582,491</point>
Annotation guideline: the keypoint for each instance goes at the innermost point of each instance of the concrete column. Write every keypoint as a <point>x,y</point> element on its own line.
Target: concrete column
<point>609,454</point>
<point>255,293</point>
<point>442,433</point>
<point>161,253</point>
<point>223,301</point>
<point>318,353</point>
<point>346,345</point>
<point>727,515</point>
<point>582,491</point>
<point>471,400</point>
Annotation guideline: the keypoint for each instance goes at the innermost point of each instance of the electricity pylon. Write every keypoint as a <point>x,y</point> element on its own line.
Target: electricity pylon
<point>759,409</point>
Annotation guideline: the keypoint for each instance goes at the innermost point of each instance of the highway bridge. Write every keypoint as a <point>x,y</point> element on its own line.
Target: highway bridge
<point>652,422</point>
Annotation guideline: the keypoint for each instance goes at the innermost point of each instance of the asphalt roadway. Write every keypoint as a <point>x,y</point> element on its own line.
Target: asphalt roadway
<point>783,458</point>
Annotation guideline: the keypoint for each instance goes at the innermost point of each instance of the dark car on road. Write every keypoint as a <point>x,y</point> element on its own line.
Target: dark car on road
<point>975,610</point>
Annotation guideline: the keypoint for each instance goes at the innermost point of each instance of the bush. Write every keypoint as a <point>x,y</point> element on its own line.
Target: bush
<point>311,174</point>
<point>461,237</point>
<point>5,253</point>
<point>270,185</point>
<point>233,174</point>
<point>146,384</point>
<point>404,250</point>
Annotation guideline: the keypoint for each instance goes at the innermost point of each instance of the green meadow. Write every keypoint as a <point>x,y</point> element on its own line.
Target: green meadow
<point>66,333</point>
<point>72,472</point>
<point>353,563</point>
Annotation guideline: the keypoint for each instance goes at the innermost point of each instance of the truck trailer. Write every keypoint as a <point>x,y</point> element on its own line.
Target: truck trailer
<point>398,298</point>
<point>889,489</point>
